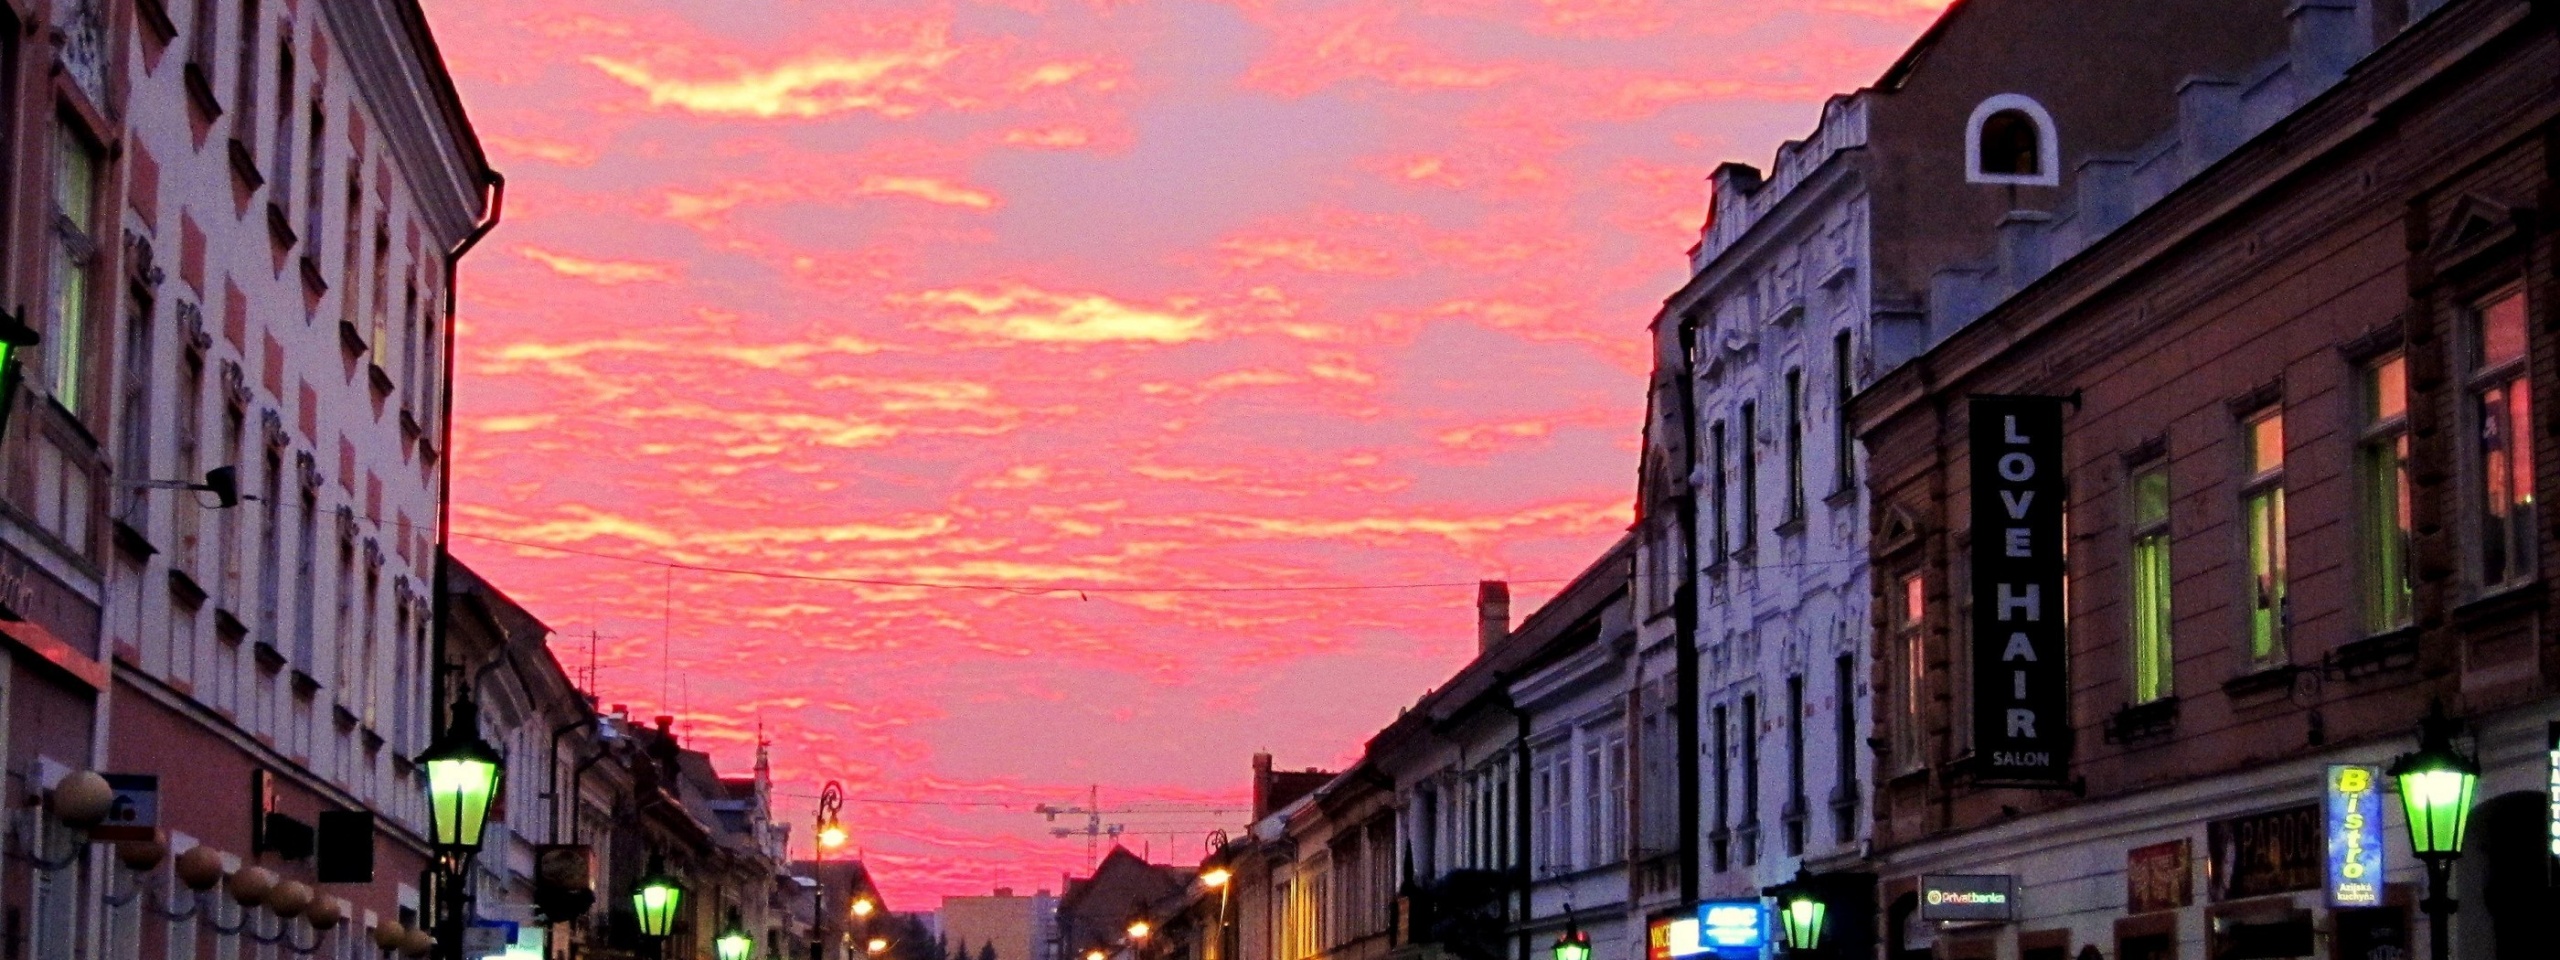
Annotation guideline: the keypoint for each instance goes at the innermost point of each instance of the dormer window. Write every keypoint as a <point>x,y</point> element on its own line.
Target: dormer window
<point>2011,140</point>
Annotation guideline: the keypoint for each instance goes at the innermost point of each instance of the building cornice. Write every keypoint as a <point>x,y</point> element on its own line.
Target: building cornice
<point>401,78</point>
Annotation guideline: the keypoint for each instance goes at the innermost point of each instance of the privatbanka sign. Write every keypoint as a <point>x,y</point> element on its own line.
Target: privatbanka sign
<point>2021,692</point>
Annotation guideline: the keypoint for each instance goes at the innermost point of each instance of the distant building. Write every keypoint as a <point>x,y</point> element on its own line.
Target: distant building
<point>1095,911</point>
<point>1018,928</point>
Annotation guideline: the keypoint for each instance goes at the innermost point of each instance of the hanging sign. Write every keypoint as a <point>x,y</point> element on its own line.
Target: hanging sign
<point>2552,792</point>
<point>2158,877</point>
<point>2279,851</point>
<point>134,814</point>
<point>2021,693</point>
<point>2355,836</point>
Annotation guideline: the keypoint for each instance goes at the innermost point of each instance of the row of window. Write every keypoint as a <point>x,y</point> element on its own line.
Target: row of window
<point>1736,737</point>
<point>2494,461</point>
<point>1733,462</point>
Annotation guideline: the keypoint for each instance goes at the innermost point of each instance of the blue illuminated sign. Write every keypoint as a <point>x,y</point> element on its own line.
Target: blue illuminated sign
<point>1733,924</point>
<point>2355,836</point>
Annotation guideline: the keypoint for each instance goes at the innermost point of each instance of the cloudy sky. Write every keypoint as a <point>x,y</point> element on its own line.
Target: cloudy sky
<point>1086,299</point>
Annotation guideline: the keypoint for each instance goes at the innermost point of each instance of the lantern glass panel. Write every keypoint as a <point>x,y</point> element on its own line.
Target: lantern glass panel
<point>1803,922</point>
<point>2437,802</point>
<point>656,904</point>
<point>459,792</point>
<point>734,945</point>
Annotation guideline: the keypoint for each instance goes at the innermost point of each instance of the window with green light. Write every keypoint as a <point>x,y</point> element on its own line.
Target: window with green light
<point>2262,509</point>
<point>2382,495</point>
<point>2154,656</point>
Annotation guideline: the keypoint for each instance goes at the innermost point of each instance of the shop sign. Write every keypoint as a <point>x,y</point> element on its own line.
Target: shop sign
<point>2280,851</point>
<point>134,814</point>
<point>2354,877</point>
<point>2021,693</point>
<point>1727,925</point>
<point>1671,938</point>
<point>1968,897</point>
<point>2158,877</point>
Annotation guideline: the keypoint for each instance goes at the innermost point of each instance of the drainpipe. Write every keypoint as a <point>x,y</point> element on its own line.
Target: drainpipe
<point>1520,809</point>
<point>496,196</point>
<point>1686,612</point>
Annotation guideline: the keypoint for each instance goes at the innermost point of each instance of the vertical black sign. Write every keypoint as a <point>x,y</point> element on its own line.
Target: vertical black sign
<point>2021,692</point>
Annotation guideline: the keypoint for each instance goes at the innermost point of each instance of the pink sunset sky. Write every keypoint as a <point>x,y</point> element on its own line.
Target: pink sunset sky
<point>1087,298</point>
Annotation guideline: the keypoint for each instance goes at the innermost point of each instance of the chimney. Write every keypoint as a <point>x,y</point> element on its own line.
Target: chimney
<point>1261,786</point>
<point>1004,891</point>
<point>1493,613</point>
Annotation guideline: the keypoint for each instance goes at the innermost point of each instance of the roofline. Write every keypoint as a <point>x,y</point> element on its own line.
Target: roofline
<point>413,19</point>
<point>1905,65</point>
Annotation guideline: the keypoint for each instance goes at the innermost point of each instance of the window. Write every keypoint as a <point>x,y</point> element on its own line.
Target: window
<point>1563,833</point>
<point>2262,508</point>
<point>283,155</point>
<point>1617,815</point>
<point>306,597</point>
<point>1795,445</point>
<point>2501,408</point>
<point>351,255</point>
<point>382,359</point>
<point>2382,491</point>
<point>188,516</point>
<point>1595,823</point>
<point>1844,441</point>
<point>75,264</point>
<point>271,552</point>
<point>227,539</point>
<point>1795,766</point>
<point>1909,601</point>
<point>1545,818</point>
<point>1844,732</point>
<point>315,160</point>
<point>2154,656</point>
<point>244,99</point>
<point>1723,754</point>
<point>1749,504</point>
<point>2010,140</point>
<point>202,37</point>
<point>1750,778</point>
<point>1720,539</point>
<point>133,413</point>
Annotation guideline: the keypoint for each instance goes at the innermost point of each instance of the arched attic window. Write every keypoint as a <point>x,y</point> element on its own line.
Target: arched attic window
<point>2011,140</point>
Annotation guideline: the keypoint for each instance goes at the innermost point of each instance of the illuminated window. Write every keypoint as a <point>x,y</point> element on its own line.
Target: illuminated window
<point>1909,608</point>
<point>75,265</point>
<point>2262,509</point>
<point>2501,405</point>
<point>2382,491</point>
<point>2154,656</point>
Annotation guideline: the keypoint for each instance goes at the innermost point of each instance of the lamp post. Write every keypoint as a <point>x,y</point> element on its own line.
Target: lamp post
<point>828,835</point>
<point>463,776</point>
<point>655,903</point>
<point>1800,913</point>
<point>2436,783</point>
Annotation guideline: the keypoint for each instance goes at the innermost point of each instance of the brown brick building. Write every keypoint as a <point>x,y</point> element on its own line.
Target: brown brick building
<point>2300,457</point>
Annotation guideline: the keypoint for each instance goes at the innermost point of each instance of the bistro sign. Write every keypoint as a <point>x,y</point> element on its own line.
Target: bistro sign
<point>2021,693</point>
<point>2354,876</point>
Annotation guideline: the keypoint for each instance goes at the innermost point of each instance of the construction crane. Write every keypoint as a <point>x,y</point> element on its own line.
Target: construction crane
<point>1094,829</point>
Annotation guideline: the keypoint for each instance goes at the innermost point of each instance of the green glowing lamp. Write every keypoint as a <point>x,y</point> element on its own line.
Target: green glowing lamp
<point>733,943</point>
<point>656,901</point>
<point>2436,785</point>
<point>1574,944</point>
<point>1800,913</point>
<point>463,776</point>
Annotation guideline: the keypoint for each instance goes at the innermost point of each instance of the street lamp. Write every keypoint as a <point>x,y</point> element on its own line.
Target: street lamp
<point>829,835</point>
<point>463,776</point>
<point>1573,944</point>
<point>1800,913</point>
<point>733,942</point>
<point>1138,929</point>
<point>863,907</point>
<point>877,946</point>
<point>655,902</point>
<point>1215,878</point>
<point>2436,784</point>
<point>13,334</point>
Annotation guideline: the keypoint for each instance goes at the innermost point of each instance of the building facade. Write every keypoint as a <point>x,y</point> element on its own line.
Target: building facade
<point>2297,455</point>
<point>1843,259</point>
